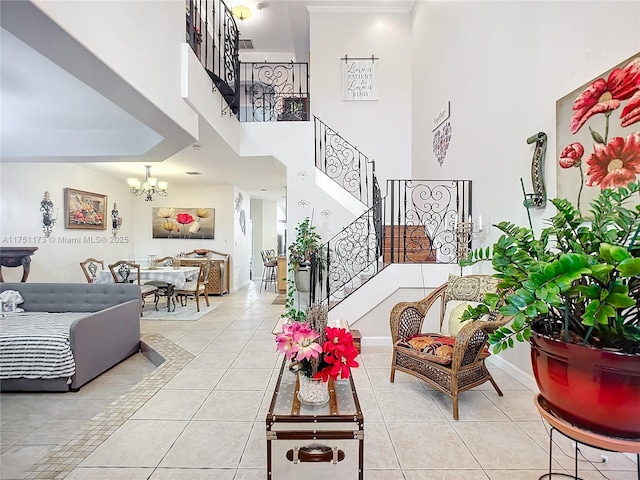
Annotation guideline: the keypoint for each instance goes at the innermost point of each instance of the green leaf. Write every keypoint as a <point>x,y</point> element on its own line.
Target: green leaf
<point>613,253</point>
<point>618,300</point>
<point>629,267</point>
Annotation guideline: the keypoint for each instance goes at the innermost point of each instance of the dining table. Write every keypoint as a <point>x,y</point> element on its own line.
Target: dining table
<point>174,277</point>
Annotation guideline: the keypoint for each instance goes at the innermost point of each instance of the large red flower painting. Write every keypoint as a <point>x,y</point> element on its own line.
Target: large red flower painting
<point>605,154</point>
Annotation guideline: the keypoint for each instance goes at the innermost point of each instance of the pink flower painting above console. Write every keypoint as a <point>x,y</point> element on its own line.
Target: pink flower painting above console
<point>185,223</point>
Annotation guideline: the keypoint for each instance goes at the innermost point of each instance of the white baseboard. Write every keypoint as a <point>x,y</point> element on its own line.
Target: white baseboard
<point>520,375</point>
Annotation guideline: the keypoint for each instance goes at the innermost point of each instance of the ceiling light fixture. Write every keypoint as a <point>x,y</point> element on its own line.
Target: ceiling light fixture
<point>149,187</point>
<point>241,12</point>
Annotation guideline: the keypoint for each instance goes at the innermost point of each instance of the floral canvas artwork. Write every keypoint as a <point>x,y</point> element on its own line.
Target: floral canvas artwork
<point>598,134</point>
<point>197,223</point>
<point>84,210</point>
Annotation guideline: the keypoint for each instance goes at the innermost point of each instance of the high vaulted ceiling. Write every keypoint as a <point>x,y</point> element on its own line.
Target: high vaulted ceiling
<point>73,122</point>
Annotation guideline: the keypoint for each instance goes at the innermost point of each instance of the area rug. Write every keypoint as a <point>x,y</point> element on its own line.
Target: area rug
<point>186,313</point>
<point>281,299</point>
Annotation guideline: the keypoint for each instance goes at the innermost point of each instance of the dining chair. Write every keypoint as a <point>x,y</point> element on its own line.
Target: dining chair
<point>90,268</point>
<point>165,262</point>
<point>164,288</point>
<point>124,271</point>
<point>195,289</point>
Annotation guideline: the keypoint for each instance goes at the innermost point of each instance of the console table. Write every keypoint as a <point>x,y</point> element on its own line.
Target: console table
<point>314,442</point>
<point>579,435</point>
<point>218,281</point>
<point>16,257</point>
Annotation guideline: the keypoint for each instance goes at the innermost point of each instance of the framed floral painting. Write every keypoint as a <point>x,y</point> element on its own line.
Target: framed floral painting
<point>598,134</point>
<point>84,210</point>
<point>170,222</point>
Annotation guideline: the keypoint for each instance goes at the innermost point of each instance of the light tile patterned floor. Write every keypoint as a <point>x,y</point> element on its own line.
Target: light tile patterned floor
<point>191,418</point>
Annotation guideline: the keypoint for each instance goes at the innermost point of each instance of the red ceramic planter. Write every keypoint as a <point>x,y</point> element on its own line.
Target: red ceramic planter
<point>598,390</point>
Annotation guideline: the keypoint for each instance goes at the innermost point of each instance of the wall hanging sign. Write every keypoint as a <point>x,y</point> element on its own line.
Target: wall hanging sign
<point>170,222</point>
<point>359,78</point>
<point>598,134</point>
<point>441,116</point>
<point>84,210</point>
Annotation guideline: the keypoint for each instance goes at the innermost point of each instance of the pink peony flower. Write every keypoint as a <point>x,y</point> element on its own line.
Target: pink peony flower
<point>571,156</point>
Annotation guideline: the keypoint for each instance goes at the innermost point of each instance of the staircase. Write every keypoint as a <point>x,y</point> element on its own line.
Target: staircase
<point>415,222</point>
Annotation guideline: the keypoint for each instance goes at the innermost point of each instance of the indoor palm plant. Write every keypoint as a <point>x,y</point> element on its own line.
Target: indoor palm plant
<point>575,286</point>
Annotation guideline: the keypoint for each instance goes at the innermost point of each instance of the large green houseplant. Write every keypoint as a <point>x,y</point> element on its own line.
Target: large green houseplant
<point>306,243</point>
<point>577,281</point>
<point>575,288</point>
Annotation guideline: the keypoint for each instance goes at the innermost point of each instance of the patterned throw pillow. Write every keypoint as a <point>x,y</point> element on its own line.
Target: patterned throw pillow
<point>452,322</point>
<point>433,347</point>
<point>469,288</point>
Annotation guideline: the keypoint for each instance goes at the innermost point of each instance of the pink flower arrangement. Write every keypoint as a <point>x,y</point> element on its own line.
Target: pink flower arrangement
<point>333,359</point>
<point>615,162</point>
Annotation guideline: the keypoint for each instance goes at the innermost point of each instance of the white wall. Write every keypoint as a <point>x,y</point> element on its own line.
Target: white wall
<point>58,256</point>
<point>380,129</point>
<point>57,259</point>
<point>241,251</point>
<point>503,65</point>
<point>181,196</point>
<point>140,40</point>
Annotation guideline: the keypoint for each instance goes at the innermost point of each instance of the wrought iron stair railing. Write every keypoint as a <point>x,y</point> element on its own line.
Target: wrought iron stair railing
<point>254,92</point>
<point>213,35</point>
<point>344,163</point>
<point>416,222</point>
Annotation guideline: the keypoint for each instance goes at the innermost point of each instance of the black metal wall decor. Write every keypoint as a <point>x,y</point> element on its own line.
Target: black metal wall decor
<point>49,214</point>
<point>537,199</point>
<point>116,220</point>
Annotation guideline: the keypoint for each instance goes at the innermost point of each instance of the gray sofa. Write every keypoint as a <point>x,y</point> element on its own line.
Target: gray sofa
<point>106,336</point>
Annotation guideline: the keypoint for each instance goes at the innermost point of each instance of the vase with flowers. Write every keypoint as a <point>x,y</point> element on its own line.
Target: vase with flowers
<point>318,353</point>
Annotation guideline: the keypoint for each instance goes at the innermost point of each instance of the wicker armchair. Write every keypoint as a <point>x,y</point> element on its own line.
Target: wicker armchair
<point>466,369</point>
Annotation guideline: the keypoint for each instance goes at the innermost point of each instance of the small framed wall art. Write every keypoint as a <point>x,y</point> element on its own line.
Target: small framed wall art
<point>84,210</point>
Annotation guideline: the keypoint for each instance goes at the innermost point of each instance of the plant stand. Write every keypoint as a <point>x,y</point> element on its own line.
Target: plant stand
<point>579,435</point>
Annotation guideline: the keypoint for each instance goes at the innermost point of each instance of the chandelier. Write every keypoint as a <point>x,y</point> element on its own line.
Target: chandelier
<point>241,12</point>
<point>149,187</point>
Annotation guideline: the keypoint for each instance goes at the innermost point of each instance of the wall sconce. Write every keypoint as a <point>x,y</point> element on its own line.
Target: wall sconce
<point>325,213</point>
<point>469,230</point>
<point>49,214</point>
<point>116,220</point>
<point>303,203</point>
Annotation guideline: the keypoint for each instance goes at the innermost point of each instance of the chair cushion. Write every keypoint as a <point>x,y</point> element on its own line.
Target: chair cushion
<point>189,288</point>
<point>430,346</point>
<point>147,289</point>
<point>469,288</point>
<point>452,322</point>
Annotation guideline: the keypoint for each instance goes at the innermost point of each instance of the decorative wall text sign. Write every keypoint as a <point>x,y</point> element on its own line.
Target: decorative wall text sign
<point>441,116</point>
<point>359,79</point>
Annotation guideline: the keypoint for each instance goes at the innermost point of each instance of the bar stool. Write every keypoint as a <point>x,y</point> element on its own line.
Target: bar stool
<point>270,271</point>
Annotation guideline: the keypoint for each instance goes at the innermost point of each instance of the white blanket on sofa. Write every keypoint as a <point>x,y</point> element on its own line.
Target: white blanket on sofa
<point>36,345</point>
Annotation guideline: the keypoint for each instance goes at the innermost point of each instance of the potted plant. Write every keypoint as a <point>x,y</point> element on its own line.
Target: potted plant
<point>301,250</point>
<point>574,293</point>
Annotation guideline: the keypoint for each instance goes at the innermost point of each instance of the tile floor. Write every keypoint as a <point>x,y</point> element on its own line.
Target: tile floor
<point>200,415</point>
